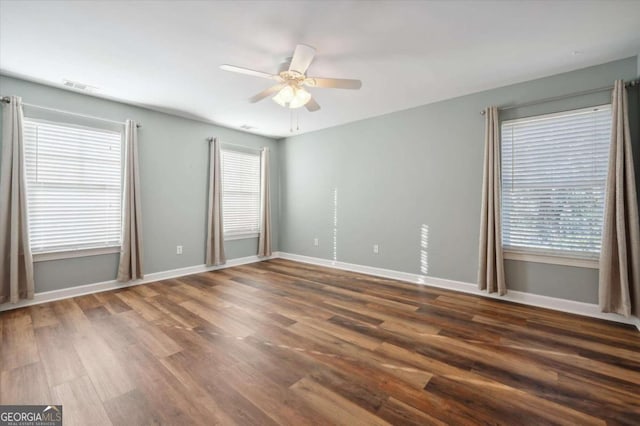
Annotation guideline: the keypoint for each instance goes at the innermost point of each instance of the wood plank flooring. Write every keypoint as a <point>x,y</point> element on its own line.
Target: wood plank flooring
<point>280,342</point>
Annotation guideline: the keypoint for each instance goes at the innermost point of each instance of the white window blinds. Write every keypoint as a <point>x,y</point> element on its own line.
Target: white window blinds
<point>241,192</point>
<point>553,181</point>
<point>73,186</point>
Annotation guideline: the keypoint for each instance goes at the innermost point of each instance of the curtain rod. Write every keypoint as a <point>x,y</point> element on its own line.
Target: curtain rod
<point>557,98</point>
<point>6,100</point>
<point>210,139</point>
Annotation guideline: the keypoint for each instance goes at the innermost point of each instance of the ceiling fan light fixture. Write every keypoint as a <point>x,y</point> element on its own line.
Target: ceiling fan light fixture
<point>301,98</point>
<point>284,96</point>
<point>292,97</point>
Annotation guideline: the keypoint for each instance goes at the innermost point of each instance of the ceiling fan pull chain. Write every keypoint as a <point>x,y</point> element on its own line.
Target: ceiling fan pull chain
<point>297,120</point>
<point>291,121</point>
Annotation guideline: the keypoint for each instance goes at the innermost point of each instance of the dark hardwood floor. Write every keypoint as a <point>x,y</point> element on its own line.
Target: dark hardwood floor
<point>281,342</point>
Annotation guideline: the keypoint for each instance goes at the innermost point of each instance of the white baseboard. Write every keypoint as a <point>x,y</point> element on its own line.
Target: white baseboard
<point>563,305</point>
<point>65,293</point>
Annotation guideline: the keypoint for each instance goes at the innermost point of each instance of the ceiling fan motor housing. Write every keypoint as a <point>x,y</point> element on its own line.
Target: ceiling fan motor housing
<point>292,77</point>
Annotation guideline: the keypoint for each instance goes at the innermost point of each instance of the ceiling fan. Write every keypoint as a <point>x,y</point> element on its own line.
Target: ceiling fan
<point>289,91</point>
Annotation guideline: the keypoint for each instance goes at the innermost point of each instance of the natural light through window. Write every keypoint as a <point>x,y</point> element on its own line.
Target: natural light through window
<point>424,249</point>
<point>241,193</point>
<point>74,186</point>
<point>553,181</point>
<point>335,224</point>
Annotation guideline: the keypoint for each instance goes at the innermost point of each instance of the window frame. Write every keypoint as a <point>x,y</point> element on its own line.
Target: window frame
<point>242,235</point>
<point>68,253</point>
<point>46,256</point>
<point>532,254</point>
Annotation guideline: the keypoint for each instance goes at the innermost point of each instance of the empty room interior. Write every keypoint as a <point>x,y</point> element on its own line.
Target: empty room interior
<point>320,212</point>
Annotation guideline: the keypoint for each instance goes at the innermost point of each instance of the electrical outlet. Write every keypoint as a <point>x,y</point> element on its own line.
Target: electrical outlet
<point>178,249</point>
<point>376,249</point>
<point>316,243</point>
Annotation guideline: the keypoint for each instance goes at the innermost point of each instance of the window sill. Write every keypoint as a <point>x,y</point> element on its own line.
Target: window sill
<point>244,236</point>
<point>68,254</point>
<point>552,258</point>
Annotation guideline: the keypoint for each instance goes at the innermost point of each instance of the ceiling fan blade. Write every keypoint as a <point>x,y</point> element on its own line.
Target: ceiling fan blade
<point>265,93</point>
<point>333,83</point>
<point>312,105</point>
<point>247,71</point>
<point>302,57</point>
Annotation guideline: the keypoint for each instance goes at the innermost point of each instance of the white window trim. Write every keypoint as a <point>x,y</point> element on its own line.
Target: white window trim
<point>69,254</point>
<point>241,236</point>
<point>537,117</point>
<point>564,259</point>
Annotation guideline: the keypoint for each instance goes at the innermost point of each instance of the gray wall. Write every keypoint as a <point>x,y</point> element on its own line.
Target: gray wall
<point>422,166</point>
<point>392,173</point>
<point>173,155</point>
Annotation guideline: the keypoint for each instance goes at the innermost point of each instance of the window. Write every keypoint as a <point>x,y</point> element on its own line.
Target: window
<point>240,193</point>
<point>74,187</point>
<point>553,181</point>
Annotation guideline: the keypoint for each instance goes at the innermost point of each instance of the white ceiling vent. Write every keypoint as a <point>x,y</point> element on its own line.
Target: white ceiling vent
<point>78,86</point>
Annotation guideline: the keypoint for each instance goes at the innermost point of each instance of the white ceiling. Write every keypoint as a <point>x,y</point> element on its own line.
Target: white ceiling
<point>165,54</point>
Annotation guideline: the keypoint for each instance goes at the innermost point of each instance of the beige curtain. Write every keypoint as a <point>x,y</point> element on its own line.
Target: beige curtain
<point>16,262</point>
<point>215,229</point>
<point>619,282</point>
<point>264,242</point>
<point>491,270</point>
<point>131,252</point>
